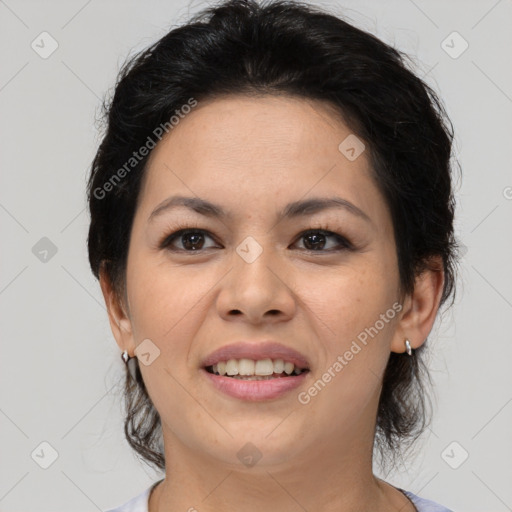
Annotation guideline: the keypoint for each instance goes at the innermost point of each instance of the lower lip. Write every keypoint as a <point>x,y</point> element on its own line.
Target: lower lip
<point>255,390</point>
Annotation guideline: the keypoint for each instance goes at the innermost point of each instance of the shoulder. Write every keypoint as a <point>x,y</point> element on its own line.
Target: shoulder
<point>424,505</point>
<point>137,504</point>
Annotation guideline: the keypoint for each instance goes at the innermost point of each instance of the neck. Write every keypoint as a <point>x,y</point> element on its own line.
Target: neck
<point>324,478</point>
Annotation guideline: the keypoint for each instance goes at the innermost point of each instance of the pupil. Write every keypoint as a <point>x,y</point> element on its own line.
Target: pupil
<point>193,236</point>
<point>316,240</point>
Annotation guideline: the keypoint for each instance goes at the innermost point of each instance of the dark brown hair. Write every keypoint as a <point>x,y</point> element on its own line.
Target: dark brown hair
<point>286,47</point>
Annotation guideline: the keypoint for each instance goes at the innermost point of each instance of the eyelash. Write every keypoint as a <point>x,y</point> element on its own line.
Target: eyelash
<point>190,228</point>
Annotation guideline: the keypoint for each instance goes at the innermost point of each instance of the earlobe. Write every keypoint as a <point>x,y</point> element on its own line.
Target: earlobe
<point>120,322</point>
<point>420,309</point>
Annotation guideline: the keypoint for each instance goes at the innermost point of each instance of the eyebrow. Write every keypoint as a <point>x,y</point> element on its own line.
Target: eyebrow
<point>291,210</point>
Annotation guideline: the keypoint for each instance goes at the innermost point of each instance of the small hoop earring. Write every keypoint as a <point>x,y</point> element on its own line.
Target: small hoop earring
<point>131,364</point>
<point>408,348</point>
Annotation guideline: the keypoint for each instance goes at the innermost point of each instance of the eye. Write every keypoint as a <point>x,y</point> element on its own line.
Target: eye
<point>315,241</point>
<point>191,240</point>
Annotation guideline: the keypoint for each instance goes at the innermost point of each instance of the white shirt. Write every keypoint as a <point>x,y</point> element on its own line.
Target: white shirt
<point>140,503</point>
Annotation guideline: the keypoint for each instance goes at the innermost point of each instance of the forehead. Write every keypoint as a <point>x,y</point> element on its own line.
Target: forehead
<point>275,129</point>
<point>249,150</point>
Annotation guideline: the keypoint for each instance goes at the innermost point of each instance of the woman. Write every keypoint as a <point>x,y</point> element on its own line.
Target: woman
<point>272,227</point>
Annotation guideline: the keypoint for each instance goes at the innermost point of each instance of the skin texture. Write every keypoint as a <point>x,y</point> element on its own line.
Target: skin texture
<point>252,156</point>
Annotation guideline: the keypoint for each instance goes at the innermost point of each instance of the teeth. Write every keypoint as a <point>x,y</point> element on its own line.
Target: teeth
<point>246,367</point>
<point>242,368</point>
<point>232,367</point>
<point>255,377</point>
<point>288,367</point>
<point>278,366</point>
<point>221,367</point>
<point>264,367</point>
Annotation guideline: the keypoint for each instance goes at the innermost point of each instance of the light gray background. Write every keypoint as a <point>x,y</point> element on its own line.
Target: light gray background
<point>60,365</point>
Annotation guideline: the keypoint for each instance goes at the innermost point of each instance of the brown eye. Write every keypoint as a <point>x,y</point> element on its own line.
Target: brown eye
<point>317,240</point>
<point>314,240</point>
<point>190,239</point>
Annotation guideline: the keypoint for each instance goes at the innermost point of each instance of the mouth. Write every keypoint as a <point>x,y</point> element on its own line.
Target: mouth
<point>255,380</point>
<point>256,370</point>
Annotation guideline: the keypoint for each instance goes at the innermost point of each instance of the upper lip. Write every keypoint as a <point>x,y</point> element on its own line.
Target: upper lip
<point>256,350</point>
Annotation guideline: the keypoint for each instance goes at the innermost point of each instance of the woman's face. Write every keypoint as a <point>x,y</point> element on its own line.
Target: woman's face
<point>253,275</point>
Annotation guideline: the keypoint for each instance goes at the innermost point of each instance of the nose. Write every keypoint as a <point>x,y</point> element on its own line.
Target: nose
<point>257,290</point>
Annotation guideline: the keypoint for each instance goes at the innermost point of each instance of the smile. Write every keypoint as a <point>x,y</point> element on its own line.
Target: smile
<point>253,386</point>
<point>250,369</point>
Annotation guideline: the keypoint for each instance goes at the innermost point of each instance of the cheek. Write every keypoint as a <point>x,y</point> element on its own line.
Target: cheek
<point>351,297</point>
<point>356,348</point>
<point>162,296</point>
<point>359,307</point>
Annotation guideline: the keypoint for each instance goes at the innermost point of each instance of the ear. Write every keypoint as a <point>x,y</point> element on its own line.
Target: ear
<point>119,319</point>
<point>420,307</point>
